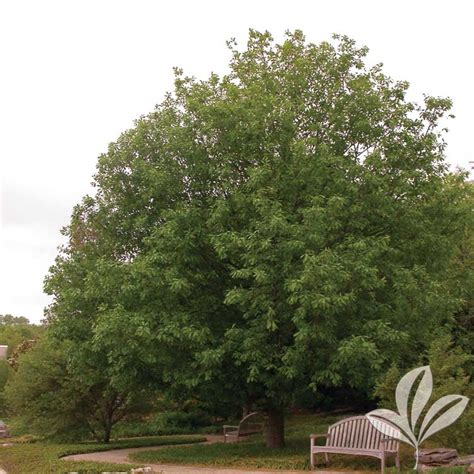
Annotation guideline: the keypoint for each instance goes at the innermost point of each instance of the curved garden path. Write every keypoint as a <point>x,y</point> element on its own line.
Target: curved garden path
<point>120,456</point>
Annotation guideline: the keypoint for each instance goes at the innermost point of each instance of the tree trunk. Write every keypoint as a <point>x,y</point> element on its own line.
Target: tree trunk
<point>107,430</point>
<point>106,434</point>
<point>275,428</point>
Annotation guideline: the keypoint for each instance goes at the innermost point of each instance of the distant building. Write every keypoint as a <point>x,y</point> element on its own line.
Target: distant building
<point>3,352</point>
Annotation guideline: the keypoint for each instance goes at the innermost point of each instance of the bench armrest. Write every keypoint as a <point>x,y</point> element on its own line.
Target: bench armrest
<point>314,437</point>
<point>229,427</point>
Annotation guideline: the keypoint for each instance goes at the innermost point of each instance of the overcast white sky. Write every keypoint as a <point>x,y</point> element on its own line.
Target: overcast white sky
<point>75,74</point>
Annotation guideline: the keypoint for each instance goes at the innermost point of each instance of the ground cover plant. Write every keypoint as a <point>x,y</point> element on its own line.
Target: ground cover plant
<point>41,457</point>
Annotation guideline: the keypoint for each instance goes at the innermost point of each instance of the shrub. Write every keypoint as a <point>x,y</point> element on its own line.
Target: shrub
<point>450,367</point>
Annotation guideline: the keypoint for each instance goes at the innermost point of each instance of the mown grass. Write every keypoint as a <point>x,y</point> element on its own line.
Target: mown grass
<point>252,453</point>
<point>40,457</point>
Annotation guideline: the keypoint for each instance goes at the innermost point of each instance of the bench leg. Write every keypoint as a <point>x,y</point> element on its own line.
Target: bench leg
<point>382,464</point>
<point>397,461</point>
<point>312,459</point>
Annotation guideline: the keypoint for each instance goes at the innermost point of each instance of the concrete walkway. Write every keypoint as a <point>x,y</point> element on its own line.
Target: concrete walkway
<point>120,456</point>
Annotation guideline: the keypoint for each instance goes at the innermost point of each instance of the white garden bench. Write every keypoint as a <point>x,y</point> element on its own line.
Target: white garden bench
<point>250,424</point>
<point>356,436</point>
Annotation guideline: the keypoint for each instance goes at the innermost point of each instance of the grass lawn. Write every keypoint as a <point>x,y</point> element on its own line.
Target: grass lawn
<point>252,453</point>
<point>39,458</point>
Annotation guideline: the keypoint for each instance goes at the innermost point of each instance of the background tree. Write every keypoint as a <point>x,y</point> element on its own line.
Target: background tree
<point>57,398</point>
<point>462,325</point>
<point>290,225</point>
<point>10,320</point>
<point>14,331</point>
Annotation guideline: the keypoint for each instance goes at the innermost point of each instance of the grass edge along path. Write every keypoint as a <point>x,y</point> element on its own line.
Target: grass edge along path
<point>44,458</point>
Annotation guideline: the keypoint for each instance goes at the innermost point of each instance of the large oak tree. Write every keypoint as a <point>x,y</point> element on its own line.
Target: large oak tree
<point>291,224</point>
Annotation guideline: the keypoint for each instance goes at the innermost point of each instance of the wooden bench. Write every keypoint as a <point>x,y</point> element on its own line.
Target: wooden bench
<point>250,424</point>
<point>356,436</point>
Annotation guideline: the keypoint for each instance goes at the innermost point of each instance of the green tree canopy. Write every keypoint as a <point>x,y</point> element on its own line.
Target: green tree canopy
<point>291,224</point>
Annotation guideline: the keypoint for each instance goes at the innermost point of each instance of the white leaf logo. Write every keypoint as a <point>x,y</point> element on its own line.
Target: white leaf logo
<point>422,395</point>
<point>402,425</point>
<point>391,424</point>
<point>444,420</point>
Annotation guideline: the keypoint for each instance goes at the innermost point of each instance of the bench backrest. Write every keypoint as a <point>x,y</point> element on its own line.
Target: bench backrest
<point>252,423</point>
<point>357,432</point>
